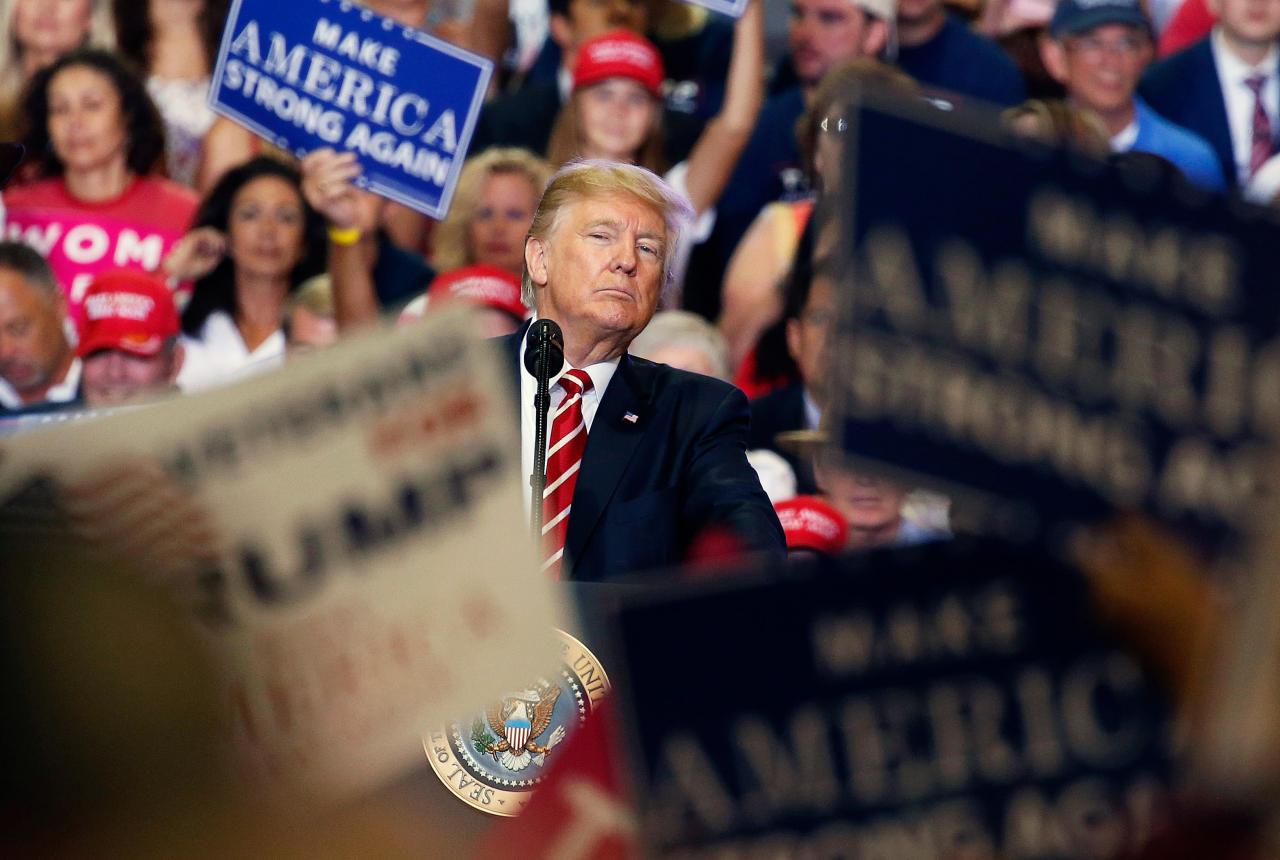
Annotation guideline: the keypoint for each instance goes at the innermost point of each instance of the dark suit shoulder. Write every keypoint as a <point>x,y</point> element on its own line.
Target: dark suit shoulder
<point>1166,80</point>
<point>774,413</point>
<point>663,380</point>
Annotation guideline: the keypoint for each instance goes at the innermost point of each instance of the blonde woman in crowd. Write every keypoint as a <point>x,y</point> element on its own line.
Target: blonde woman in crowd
<point>492,208</point>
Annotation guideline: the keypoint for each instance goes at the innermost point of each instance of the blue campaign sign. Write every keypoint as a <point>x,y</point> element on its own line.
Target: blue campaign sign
<point>308,74</point>
<point>1049,336</point>
<point>956,700</point>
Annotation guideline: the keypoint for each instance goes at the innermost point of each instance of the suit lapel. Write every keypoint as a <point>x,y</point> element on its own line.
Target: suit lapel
<point>616,432</point>
<point>1210,99</point>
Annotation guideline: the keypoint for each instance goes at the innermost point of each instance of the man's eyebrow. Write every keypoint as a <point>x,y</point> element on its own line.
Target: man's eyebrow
<point>615,224</point>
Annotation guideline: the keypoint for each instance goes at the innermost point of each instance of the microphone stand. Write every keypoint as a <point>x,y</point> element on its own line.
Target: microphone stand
<point>544,357</point>
<point>538,480</point>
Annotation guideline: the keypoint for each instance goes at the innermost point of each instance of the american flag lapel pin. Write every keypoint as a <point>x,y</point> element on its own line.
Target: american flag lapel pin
<point>631,418</point>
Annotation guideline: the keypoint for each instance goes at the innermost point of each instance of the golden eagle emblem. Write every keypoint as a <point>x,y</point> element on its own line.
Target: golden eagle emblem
<point>519,720</point>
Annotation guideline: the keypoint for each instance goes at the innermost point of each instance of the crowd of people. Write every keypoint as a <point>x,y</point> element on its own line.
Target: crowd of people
<point>152,246</point>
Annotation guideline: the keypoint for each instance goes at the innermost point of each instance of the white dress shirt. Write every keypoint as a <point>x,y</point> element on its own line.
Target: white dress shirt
<point>62,392</point>
<point>1239,100</point>
<point>220,356</point>
<point>601,373</point>
<point>1124,139</point>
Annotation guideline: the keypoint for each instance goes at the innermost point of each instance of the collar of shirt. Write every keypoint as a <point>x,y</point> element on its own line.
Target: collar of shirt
<point>1238,98</point>
<point>601,374</point>
<point>812,413</point>
<point>1124,140</point>
<point>63,392</point>
<point>220,354</point>
<point>564,82</point>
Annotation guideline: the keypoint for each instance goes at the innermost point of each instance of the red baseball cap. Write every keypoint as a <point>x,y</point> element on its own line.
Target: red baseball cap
<point>129,311</point>
<point>811,523</point>
<point>482,284</point>
<point>619,54</point>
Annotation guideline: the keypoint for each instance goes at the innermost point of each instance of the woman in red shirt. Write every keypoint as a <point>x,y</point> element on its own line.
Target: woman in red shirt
<point>98,138</point>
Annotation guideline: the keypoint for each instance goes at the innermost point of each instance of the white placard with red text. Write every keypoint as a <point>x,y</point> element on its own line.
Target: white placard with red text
<point>373,575</point>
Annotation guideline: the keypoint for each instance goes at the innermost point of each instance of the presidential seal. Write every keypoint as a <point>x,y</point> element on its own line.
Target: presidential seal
<point>495,758</point>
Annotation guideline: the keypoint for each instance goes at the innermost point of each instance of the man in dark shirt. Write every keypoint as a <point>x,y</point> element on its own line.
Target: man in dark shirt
<point>939,51</point>
<point>823,34</point>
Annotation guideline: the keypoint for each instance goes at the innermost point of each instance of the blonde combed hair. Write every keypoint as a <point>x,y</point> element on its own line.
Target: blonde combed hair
<point>593,179</point>
<point>449,248</point>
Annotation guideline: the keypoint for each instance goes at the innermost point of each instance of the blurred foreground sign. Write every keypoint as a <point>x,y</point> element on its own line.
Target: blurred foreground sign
<point>1043,329</point>
<point>953,701</point>
<point>347,531</point>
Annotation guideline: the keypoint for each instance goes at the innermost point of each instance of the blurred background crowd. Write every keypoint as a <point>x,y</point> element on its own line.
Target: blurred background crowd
<point>151,245</point>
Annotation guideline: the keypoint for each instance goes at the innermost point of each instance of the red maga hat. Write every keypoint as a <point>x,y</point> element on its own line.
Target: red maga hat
<point>128,311</point>
<point>619,54</point>
<point>811,523</point>
<point>482,284</point>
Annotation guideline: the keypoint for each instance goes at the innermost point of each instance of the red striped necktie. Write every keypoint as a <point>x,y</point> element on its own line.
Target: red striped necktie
<point>1260,145</point>
<point>564,455</point>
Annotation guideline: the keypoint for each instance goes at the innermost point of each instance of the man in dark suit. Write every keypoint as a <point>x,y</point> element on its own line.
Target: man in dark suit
<point>664,463</point>
<point>1225,87</point>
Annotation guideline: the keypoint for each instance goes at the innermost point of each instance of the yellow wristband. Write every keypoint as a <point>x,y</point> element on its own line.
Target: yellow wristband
<point>344,235</point>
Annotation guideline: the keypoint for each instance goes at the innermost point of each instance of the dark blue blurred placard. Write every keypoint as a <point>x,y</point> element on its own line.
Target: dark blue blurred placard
<point>1032,326</point>
<point>732,8</point>
<point>306,74</point>
<point>949,701</point>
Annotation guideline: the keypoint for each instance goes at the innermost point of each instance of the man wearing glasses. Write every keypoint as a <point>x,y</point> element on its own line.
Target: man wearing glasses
<point>1097,49</point>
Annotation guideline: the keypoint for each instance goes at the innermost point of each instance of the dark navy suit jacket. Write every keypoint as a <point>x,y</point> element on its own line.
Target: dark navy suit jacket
<point>649,487</point>
<point>1185,90</point>
<point>779,412</point>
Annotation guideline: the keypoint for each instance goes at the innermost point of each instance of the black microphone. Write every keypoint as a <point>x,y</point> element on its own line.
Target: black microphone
<point>543,358</point>
<point>545,340</point>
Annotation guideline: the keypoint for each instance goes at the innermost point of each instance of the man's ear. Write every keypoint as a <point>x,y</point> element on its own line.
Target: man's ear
<point>535,260</point>
<point>1054,57</point>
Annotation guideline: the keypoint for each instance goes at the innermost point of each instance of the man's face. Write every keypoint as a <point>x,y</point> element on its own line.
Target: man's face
<point>590,18</point>
<point>1255,22</point>
<point>1101,67</point>
<point>823,34</point>
<point>917,10</point>
<point>33,346</point>
<point>599,274</point>
<point>807,336</point>
<point>112,376</point>
<point>868,502</point>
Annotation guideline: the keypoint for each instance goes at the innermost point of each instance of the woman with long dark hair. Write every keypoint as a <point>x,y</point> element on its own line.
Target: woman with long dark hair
<point>97,140</point>
<point>255,240</point>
